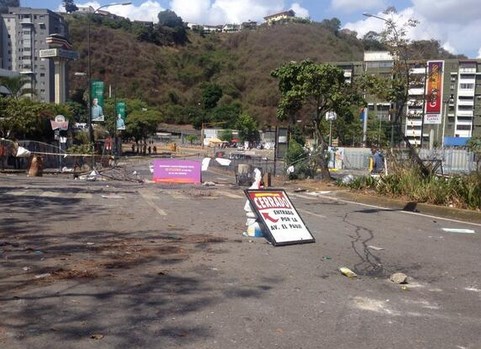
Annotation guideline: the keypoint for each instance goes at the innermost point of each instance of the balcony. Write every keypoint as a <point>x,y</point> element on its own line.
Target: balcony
<point>465,113</point>
<point>469,102</point>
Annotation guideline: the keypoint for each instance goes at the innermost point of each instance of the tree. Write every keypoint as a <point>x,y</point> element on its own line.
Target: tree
<point>211,95</point>
<point>297,159</point>
<point>26,119</point>
<point>5,4</point>
<point>15,84</point>
<point>474,145</point>
<point>169,18</point>
<point>333,24</point>
<point>226,135</point>
<point>395,88</point>
<point>228,114</point>
<point>248,128</point>
<point>371,42</point>
<point>70,6</point>
<point>191,138</point>
<point>172,25</point>
<point>141,124</point>
<point>315,89</point>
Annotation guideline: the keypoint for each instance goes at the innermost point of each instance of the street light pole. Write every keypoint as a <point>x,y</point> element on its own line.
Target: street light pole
<point>446,104</point>
<point>89,66</point>
<point>401,53</point>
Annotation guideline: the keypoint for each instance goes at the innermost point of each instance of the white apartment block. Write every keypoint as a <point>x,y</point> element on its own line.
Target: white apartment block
<point>456,111</point>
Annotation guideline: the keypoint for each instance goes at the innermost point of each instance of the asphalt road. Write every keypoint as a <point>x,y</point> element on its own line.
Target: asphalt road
<point>122,264</point>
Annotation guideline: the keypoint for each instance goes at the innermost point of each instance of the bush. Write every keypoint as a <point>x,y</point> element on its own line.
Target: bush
<point>461,191</point>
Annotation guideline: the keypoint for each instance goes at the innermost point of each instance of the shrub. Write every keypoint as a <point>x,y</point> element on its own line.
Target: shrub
<point>461,191</point>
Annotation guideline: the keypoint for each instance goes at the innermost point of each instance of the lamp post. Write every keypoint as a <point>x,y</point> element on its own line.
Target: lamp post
<point>446,103</point>
<point>400,54</point>
<point>89,67</point>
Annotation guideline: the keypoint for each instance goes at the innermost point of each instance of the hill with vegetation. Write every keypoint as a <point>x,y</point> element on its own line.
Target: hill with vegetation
<point>213,76</point>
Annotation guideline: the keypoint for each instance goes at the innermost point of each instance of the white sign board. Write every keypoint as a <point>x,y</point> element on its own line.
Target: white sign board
<point>278,217</point>
<point>432,119</point>
<point>330,116</point>
<point>48,53</point>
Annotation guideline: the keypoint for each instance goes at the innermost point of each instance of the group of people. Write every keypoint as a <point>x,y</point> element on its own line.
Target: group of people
<point>144,149</point>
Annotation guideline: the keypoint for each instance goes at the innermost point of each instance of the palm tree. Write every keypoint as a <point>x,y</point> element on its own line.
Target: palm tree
<point>15,85</point>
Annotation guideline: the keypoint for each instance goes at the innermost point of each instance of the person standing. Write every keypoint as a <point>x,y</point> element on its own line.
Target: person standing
<point>377,161</point>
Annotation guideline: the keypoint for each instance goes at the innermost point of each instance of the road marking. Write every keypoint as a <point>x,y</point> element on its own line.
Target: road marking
<point>148,200</point>
<point>459,231</point>
<point>17,192</point>
<point>230,195</point>
<point>177,195</point>
<point>310,197</point>
<point>382,208</point>
<point>312,213</point>
<point>83,196</point>
<point>50,194</point>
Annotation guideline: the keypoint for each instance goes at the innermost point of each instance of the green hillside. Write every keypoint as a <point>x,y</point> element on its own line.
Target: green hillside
<point>172,77</point>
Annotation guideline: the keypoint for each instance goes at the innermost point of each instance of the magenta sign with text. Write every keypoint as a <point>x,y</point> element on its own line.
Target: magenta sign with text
<point>176,171</point>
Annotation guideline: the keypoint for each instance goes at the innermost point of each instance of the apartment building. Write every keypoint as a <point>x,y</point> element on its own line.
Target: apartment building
<point>444,98</point>
<point>23,33</point>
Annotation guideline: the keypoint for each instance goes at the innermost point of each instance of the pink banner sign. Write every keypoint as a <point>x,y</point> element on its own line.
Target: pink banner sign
<point>177,171</point>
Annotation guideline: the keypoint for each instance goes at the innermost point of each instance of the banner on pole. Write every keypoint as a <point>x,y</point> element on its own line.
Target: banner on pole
<point>97,98</point>
<point>121,115</point>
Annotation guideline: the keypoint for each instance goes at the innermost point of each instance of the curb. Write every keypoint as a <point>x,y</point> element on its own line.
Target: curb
<point>470,216</point>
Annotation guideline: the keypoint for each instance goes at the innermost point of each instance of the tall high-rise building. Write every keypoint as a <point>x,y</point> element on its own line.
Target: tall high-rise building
<point>24,33</point>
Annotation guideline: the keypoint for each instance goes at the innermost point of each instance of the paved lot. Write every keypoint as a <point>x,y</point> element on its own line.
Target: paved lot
<point>120,264</point>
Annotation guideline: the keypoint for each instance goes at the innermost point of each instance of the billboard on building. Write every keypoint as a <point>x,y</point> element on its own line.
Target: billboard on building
<point>434,92</point>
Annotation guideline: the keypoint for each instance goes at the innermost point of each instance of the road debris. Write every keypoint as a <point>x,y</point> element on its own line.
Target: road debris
<point>399,278</point>
<point>375,248</point>
<point>347,272</point>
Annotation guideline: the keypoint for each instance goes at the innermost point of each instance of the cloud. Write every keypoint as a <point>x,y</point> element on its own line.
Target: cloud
<point>147,11</point>
<point>457,38</point>
<point>225,11</point>
<point>206,11</point>
<point>448,11</point>
<point>299,10</point>
<point>353,6</point>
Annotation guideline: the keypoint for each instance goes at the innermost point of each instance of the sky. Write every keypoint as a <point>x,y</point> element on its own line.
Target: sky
<point>456,24</point>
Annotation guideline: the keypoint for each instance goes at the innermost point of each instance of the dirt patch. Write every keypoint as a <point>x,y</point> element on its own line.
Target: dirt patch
<point>111,257</point>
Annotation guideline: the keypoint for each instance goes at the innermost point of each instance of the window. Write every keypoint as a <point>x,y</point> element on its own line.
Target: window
<point>463,127</point>
<point>465,86</point>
